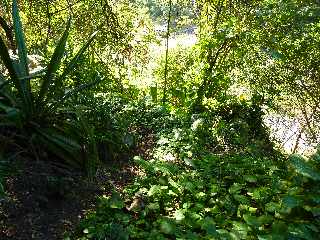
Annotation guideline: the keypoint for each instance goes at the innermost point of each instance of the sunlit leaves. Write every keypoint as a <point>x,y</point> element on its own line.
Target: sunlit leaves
<point>179,214</point>
<point>248,208</point>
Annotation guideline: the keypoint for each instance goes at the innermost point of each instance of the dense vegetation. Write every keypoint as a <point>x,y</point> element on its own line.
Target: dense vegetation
<point>89,87</point>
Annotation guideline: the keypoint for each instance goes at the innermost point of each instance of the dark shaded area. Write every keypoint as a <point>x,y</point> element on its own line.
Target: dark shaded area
<point>43,205</point>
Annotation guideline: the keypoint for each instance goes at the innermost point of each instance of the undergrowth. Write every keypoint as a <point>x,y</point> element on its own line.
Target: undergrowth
<point>205,183</point>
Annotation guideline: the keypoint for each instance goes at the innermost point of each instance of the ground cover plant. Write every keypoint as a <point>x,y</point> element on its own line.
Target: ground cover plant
<point>151,119</point>
<point>187,191</point>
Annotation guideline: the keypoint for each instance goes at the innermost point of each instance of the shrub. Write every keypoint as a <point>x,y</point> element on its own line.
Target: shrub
<point>31,107</point>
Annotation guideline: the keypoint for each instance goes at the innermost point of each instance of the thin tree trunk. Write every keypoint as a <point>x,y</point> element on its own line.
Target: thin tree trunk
<point>167,53</point>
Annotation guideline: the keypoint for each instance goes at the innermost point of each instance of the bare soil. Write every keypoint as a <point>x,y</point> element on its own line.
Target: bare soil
<point>41,203</point>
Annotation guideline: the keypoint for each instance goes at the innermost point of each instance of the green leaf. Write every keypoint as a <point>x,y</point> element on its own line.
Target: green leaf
<point>9,95</point>
<point>2,192</point>
<point>70,158</point>
<point>276,55</point>
<point>22,69</point>
<point>54,64</point>
<point>242,199</point>
<point>301,231</point>
<point>251,220</point>
<point>14,75</point>
<point>250,178</point>
<point>189,162</point>
<point>153,93</point>
<point>316,157</point>
<point>64,147</point>
<point>20,39</point>
<point>155,189</point>
<point>179,214</point>
<point>6,108</point>
<point>3,83</point>
<point>302,167</point>
<point>167,226</point>
<point>66,143</point>
<point>74,91</point>
<point>153,206</point>
<point>261,193</point>
<point>279,228</point>
<point>163,180</point>
<point>241,229</point>
<point>4,53</point>
<point>82,87</point>
<point>272,207</point>
<point>38,74</point>
<point>257,221</point>
<point>76,58</point>
<point>265,237</point>
<point>116,201</point>
<point>209,226</point>
<point>236,188</point>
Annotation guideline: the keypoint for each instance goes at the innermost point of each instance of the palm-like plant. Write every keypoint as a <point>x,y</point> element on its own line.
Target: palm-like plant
<point>33,110</point>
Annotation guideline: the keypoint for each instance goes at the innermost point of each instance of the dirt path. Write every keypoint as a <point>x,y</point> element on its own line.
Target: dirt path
<point>41,204</point>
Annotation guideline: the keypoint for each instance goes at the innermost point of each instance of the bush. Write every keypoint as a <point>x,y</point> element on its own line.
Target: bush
<point>33,109</point>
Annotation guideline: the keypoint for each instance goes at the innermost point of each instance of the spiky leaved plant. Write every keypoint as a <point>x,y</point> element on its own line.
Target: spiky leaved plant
<point>32,110</point>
